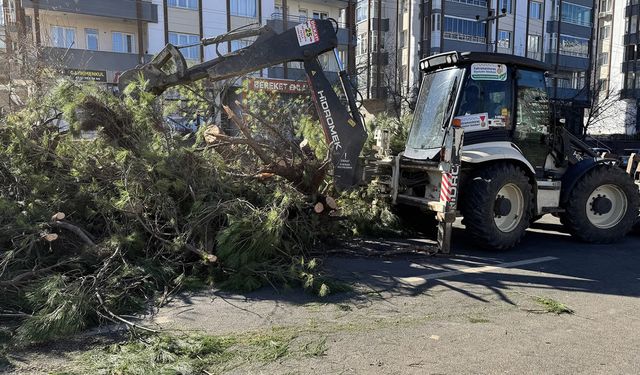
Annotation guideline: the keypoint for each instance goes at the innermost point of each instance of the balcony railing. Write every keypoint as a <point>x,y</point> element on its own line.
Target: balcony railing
<point>345,37</point>
<point>300,19</point>
<point>465,37</point>
<point>534,55</point>
<point>479,3</point>
<point>122,9</point>
<point>565,19</point>
<point>98,60</point>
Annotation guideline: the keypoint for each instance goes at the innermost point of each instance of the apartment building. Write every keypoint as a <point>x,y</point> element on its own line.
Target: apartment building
<point>624,21</point>
<point>91,39</point>
<point>185,22</point>
<point>393,35</point>
<point>288,13</point>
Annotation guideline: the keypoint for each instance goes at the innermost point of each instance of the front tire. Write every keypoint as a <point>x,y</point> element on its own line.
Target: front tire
<point>497,206</point>
<point>602,207</point>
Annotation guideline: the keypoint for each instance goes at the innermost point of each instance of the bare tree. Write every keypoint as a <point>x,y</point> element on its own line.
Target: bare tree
<point>607,113</point>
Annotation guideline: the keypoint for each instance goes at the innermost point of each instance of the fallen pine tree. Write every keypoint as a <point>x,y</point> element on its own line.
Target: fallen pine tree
<point>93,229</point>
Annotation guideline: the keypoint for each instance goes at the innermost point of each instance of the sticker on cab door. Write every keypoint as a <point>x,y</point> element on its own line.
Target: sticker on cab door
<point>488,72</point>
<point>307,33</point>
<point>477,121</point>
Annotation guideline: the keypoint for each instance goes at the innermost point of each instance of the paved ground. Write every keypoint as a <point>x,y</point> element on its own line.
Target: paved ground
<point>468,314</point>
<point>472,313</point>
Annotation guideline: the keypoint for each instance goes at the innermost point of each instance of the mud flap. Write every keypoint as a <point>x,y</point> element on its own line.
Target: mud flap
<point>450,168</point>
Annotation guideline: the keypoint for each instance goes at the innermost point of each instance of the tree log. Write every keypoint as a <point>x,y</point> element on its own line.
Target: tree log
<point>331,203</point>
<point>58,216</point>
<point>72,228</point>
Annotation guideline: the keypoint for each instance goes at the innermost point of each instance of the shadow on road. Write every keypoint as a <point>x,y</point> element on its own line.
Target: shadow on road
<point>572,266</point>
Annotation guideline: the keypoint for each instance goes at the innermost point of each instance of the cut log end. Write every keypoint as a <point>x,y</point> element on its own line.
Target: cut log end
<point>58,216</point>
<point>331,203</point>
<point>50,237</point>
<point>211,133</point>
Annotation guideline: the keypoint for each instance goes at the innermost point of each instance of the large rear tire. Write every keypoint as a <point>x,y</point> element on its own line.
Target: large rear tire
<point>497,206</point>
<point>603,206</point>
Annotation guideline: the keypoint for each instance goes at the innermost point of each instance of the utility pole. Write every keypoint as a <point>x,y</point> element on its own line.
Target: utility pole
<point>555,70</point>
<point>491,17</point>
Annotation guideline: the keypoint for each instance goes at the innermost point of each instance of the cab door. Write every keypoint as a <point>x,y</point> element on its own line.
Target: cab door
<point>532,116</point>
<point>485,107</point>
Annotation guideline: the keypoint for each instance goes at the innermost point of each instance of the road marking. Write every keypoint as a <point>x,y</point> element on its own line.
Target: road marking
<point>419,280</point>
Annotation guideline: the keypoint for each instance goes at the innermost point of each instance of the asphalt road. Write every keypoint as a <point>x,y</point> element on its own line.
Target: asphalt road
<point>475,312</point>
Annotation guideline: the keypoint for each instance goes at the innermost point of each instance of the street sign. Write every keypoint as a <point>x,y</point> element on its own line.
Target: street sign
<point>84,75</point>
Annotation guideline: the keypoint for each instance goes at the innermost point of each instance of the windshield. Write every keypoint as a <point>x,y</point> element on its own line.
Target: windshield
<point>431,109</point>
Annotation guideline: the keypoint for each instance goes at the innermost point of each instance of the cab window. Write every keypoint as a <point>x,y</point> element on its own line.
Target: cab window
<point>532,116</point>
<point>486,98</point>
<point>532,103</point>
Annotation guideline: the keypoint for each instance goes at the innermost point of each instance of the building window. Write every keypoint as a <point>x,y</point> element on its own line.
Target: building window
<point>535,10</point>
<point>605,5</point>
<point>629,53</point>
<point>603,85</point>
<point>63,37</point>
<point>533,47</point>
<point>361,46</point>
<point>187,4</point>
<point>504,39</point>
<point>603,59</point>
<point>189,53</point>
<point>480,3</point>
<point>464,29</point>
<point>123,42</point>
<point>320,15</point>
<point>435,22</point>
<point>12,12</point>
<point>605,31</point>
<point>303,14</point>
<point>239,44</point>
<point>361,12</point>
<point>375,40</point>
<point>404,73</point>
<point>572,46</point>
<point>403,39</point>
<point>633,24</point>
<point>505,4</point>
<point>244,8</point>
<point>575,14</point>
<point>630,80</point>
<point>403,6</point>
<point>92,39</point>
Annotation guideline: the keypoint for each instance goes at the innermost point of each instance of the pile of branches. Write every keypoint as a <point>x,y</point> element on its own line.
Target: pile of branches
<point>94,229</point>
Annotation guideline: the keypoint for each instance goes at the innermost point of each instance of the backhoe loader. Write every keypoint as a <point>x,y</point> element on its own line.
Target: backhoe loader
<point>484,143</point>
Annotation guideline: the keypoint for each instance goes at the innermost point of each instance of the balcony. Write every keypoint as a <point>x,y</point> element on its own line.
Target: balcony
<point>629,93</point>
<point>120,9</point>
<point>534,55</point>
<point>573,62</point>
<point>564,93</point>
<point>91,60</point>
<point>276,23</point>
<point>630,39</point>
<point>298,74</point>
<point>582,30</point>
<point>632,10</point>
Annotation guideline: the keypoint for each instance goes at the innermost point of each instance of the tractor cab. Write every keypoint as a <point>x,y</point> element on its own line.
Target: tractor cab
<point>492,97</point>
